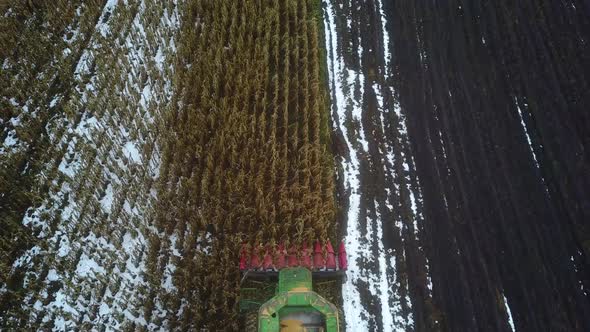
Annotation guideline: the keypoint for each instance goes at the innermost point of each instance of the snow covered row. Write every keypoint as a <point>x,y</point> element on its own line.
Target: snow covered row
<point>374,295</point>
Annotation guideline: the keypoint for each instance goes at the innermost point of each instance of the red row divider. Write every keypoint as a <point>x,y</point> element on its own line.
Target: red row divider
<point>321,258</point>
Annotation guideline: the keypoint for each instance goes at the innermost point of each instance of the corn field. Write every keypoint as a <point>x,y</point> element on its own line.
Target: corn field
<point>143,143</point>
<point>245,154</point>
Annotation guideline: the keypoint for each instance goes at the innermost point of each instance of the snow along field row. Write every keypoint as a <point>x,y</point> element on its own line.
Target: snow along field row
<point>381,215</point>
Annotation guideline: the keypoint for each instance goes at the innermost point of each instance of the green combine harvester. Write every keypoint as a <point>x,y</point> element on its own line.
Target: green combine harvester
<point>295,307</point>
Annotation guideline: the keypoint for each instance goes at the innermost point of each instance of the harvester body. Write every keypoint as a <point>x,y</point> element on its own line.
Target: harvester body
<point>295,306</point>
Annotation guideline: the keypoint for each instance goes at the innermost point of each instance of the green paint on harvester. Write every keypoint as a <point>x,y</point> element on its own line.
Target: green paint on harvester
<point>296,307</point>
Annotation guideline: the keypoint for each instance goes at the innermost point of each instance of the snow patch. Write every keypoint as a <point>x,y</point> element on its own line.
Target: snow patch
<point>131,151</point>
<point>88,266</point>
<point>52,275</point>
<point>107,200</point>
<point>507,307</point>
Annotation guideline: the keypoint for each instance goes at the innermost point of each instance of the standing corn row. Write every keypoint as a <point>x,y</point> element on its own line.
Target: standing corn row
<point>246,160</point>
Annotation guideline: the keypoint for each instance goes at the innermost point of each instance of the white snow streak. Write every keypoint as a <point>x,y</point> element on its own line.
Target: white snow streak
<point>350,294</point>
<point>526,132</point>
<point>530,142</point>
<point>510,321</point>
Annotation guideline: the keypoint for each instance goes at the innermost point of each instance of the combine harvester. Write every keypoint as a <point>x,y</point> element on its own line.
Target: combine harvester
<point>295,306</point>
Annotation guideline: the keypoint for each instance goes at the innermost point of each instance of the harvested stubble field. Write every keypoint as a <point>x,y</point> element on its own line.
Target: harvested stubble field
<point>143,143</point>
